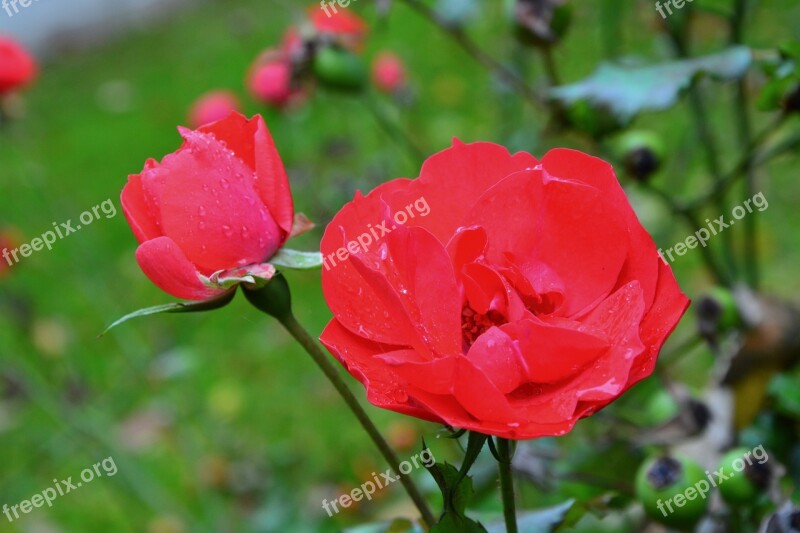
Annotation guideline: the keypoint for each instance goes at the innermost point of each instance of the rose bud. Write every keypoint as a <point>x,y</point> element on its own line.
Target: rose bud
<point>497,293</point>
<point>17,66</point>
<point>388,73</point>
<point>343,27</point>
<point>211,107</point>
<point>213,213</point>
<point>270,80</point>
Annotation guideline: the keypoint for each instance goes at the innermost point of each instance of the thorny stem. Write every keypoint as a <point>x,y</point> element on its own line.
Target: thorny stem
<point>312,348</point>
<point>507,485</point>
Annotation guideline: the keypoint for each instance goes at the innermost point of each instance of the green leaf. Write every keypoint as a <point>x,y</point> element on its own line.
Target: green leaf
<point>626,91</point>
<point>454,523</point>
<point>475,444</point>
<point>192,307</point>
<point>297,260</point>
<point>786,394</point>
<point>456,494</point>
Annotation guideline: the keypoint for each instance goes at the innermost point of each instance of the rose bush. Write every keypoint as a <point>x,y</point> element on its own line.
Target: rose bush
<point>528,298</point>
<point>213,213</point>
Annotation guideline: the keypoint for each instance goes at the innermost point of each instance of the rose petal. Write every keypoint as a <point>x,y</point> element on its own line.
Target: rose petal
<point>640,263</point>
<point>209,206</point>
<point>669,306</point>
<point>140,216</point>
<point>167,266</point>
<point>251,141</point>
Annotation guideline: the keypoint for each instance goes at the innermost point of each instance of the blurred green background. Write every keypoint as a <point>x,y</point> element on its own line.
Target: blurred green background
<point>216,421</point>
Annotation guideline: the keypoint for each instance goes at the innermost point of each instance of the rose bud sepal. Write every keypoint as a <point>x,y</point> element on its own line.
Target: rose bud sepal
<point>178,307</point>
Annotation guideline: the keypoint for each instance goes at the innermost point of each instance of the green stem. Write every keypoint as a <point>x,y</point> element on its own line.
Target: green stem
<point>507,485</point>
<point>678,38</point>
<point>719,273</point>
<point>478,54</point>
<point>752,159</point>
<point>394,131</point>
<point>323,362</point>
<point>550,67</point>
<point>745,135</point>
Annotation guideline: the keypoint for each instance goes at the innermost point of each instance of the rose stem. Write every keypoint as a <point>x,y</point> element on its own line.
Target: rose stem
<point>506,484</point>
<point>312,348</point>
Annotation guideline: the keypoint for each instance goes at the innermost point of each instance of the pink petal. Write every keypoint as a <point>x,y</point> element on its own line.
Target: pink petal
<point>209,206</point>
<point>251,141</point>
<point>140,216</point>
<point>167,266</point>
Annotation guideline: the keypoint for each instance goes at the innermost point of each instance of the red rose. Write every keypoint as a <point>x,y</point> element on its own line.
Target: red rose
<point>212,213</point>
<point>211,107</point>
<point>17,67</point>
<point>497,293</point>
<point>388,72</point>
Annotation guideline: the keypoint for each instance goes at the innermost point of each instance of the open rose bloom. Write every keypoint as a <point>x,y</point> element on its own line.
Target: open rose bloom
<point>212,214</point>
<point>529,297</point>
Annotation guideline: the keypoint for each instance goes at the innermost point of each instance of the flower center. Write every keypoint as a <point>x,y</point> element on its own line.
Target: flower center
<point>474,324</point>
